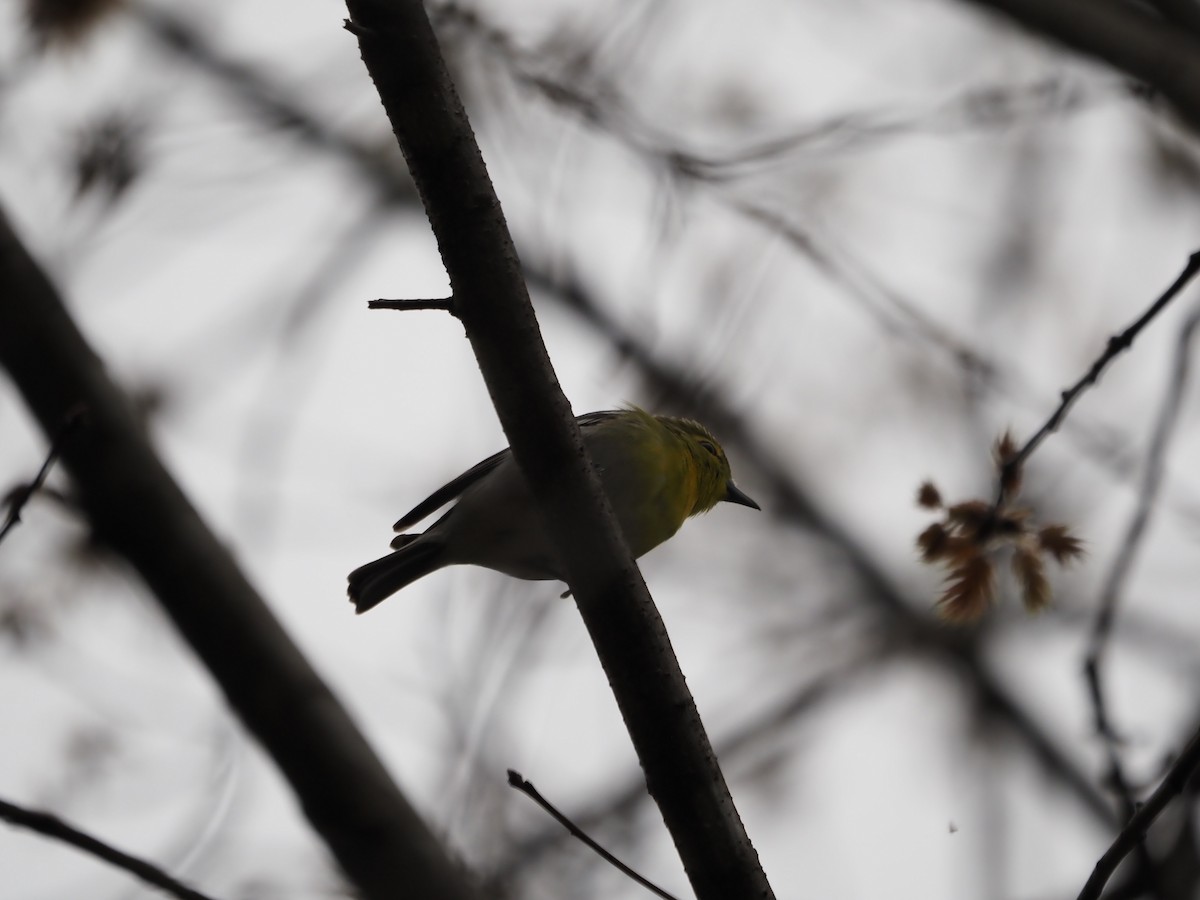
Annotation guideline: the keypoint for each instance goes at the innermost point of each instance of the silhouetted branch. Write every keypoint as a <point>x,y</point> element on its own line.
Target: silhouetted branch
<point>709,404</point>
<point>515,780</point>
<point>1116,344</point>
<point>625,799</point>
<point>447,304</point>
<point>1134,832</point>
<point>53,827</point>
<point>1114,584</point>
<point>402,56</point>
<point>1152,477</point>
<point>795,505</point>
<point>136,508</point>
<point>22,494</point>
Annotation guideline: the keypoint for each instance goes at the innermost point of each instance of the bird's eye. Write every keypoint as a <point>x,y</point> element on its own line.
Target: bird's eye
<point>710,447</point>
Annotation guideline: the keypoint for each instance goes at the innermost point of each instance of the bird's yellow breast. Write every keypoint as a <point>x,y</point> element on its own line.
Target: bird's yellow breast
<point>649,477</point>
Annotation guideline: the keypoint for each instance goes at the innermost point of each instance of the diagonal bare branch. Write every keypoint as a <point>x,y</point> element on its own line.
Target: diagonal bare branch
<point>53,827</point>
<point>490,299</point>
<point>138,510</point>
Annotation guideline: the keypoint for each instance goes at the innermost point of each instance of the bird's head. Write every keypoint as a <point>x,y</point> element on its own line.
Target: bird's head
<point>714,480</point>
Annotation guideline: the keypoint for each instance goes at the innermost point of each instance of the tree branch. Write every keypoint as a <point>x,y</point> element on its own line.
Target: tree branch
<point>1152,477</point>
<point>402,56</point>
<point>1116,344</point>
<point>446,303</point>
<point>517,781</point>
<point>1150,51</point>
<point>795,505</point>
<point>23,493</point>
<point>1114,583</point>
<point>710,405</point>
<point>54,827</point>
<point>1134,832</point>
<point>138,510</point>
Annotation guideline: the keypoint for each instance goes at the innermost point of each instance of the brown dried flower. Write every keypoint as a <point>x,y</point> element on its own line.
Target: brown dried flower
<point>1004,452</point>
<point>1004,449</point>
<point>1030,571</point>
<point>969,593</point>
<point>932,542</point>
<point>928,496</point>
<point>1060,543</point>
<point>970,535</point>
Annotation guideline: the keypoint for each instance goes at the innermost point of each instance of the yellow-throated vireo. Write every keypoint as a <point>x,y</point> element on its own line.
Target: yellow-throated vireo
<point>656,470</point>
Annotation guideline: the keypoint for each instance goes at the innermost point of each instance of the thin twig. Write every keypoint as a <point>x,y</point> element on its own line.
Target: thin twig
<point>1115,583</point>
<point>19,497</point>
<point>1134,832</point>
<point>54,827</point>
<point>1151,482</point>
<point>492,300</point>
<point>709,401</point>
<point>800,705</point>
<point>516,780</point>
<point>447,304</point>
<point>1116,778</point>
<point>1116,344</point>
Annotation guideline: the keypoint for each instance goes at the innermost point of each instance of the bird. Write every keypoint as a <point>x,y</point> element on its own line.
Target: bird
<point>656,470</point>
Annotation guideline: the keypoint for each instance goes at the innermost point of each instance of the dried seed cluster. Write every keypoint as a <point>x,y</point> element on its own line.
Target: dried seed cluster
<point>973,534</point>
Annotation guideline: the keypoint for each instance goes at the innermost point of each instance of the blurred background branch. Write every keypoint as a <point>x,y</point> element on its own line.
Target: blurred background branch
<point>1160,56</point>
<point>136,509</point>
<point>863,238</point>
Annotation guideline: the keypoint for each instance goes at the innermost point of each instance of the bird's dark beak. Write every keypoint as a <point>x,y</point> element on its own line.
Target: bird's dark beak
<point>733,494</point>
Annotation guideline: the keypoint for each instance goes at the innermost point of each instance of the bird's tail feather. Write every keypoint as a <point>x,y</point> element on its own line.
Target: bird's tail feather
<point>374,582</point>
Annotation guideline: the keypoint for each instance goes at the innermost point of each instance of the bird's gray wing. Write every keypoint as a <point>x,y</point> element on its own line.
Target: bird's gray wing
<point>448,492</point>
<point>595,418</point>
